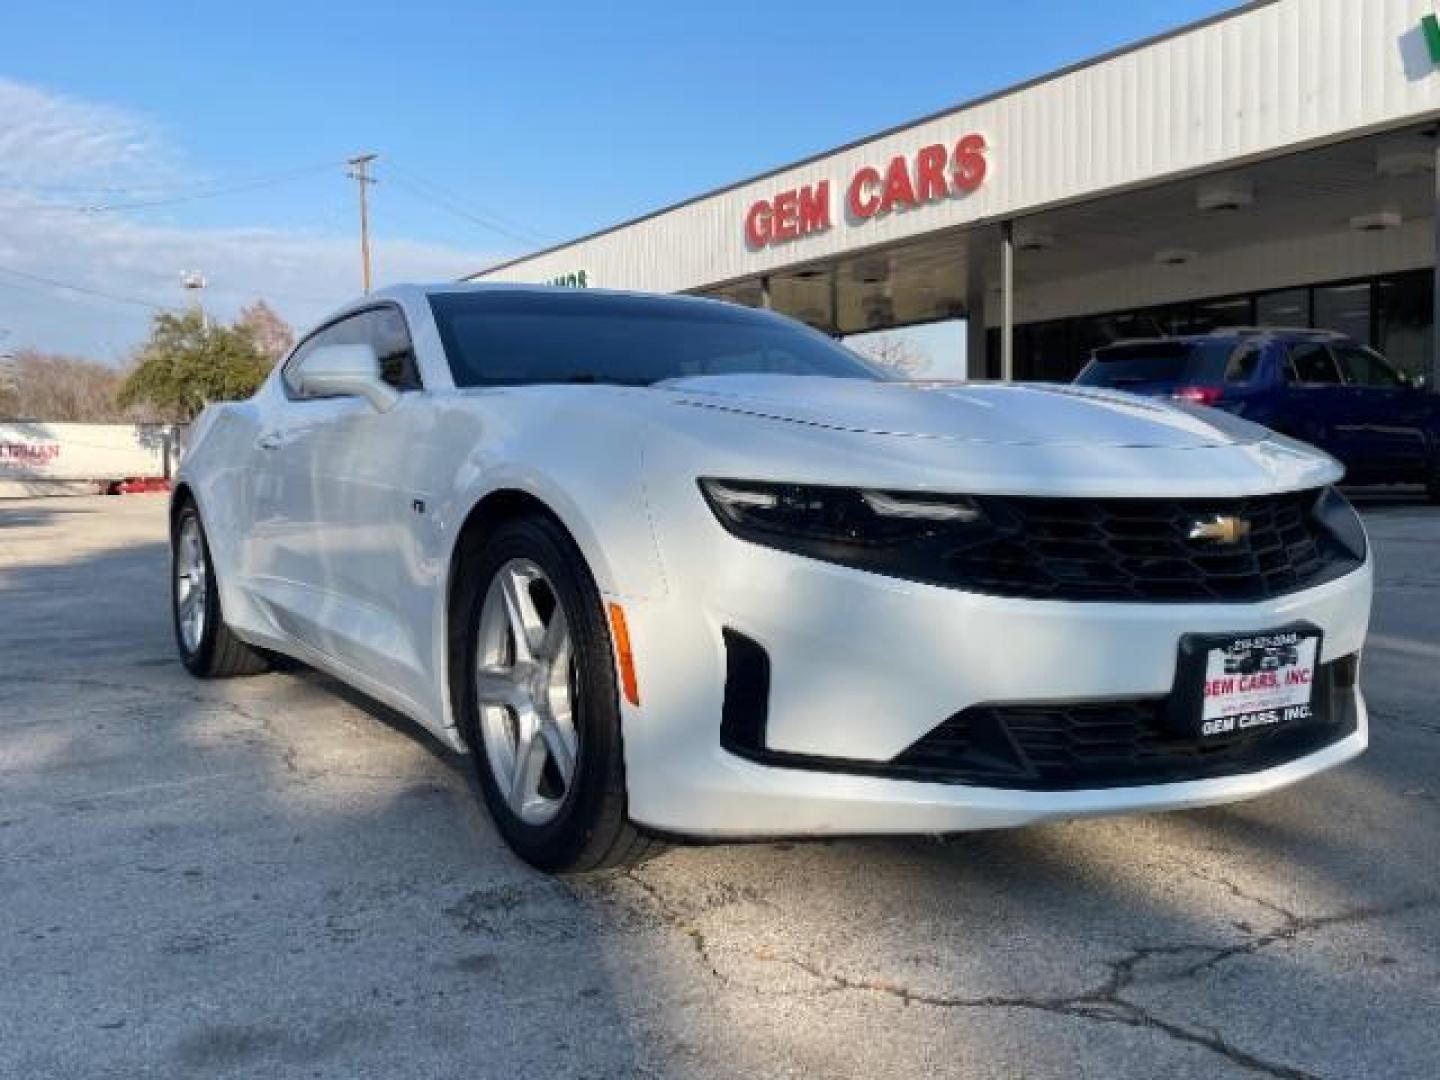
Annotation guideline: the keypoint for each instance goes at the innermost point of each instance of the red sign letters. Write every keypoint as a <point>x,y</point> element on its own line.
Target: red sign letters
<point>933,173</point>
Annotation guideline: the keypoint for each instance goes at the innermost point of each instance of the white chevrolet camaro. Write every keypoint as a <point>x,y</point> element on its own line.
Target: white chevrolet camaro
<point>672,567</point>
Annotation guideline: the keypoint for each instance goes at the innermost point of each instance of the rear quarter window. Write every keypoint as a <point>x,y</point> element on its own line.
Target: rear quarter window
<point>1243,365</point>
<point>1147,362</point>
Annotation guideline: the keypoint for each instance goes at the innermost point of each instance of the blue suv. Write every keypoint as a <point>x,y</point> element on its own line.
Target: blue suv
<point>1313,385</point>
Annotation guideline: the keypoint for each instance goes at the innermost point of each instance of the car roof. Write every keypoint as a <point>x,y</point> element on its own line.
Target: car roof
<point>1236,334</point>
<point>420,290</point>
<point>415,294</point>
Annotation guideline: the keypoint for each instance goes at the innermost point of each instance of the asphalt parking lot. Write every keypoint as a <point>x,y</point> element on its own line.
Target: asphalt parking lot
<point>274,877</point>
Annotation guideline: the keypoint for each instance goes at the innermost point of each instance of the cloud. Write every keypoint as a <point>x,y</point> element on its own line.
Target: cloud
<point>50,140</point>
<point>53,146</point>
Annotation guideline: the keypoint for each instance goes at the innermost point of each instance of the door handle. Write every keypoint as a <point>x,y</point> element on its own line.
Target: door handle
<point>269,440</point>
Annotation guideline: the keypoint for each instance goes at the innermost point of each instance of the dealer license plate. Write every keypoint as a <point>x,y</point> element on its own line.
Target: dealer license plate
<point>1231,684</point>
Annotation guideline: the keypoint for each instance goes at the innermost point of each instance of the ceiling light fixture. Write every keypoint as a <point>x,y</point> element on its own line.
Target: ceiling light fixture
<point>1224,194</point>
<point>1034,241</point>
<point>1379,221</point>
<point>1174,256</point>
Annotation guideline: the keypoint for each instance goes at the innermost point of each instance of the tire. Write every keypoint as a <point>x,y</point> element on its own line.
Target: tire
<point>552,698</point>
<point>1432,478</point>
<point>208,648</point>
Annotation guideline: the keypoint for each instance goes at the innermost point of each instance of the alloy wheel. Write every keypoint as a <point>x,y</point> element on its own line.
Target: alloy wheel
<point>526,690</point>
<point>191,584</point>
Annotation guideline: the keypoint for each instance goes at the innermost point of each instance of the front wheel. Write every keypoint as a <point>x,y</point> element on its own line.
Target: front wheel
<point>540,707</point>
<point>208,648</point>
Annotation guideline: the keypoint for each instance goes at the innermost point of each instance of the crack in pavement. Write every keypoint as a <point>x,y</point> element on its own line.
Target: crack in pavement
<point>676,921</point>
<point>1102,1004</point>
<point>1239,893</point>
<point>1295,926</point>
<point>1292,925</point>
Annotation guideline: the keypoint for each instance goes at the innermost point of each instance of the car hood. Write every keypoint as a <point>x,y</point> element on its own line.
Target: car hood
<point>1011,414</point>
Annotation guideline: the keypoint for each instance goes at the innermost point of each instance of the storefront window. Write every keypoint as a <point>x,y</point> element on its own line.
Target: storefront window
<point>1404,305</point>
<point>1290,307</point>
<point>1345,309</point>
<point>1207,315</point>
<point>1051,357</point>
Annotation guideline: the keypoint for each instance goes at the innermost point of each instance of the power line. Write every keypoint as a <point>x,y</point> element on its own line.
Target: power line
<point>229,290</point>
<point>414,184</point>
<point>250,185</point>
<point>438,196</point>
<point>83,289</point>
<point>253,184</point>
<point>244,292</point>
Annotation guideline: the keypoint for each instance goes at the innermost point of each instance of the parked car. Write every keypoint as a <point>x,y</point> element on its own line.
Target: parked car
<point>1322,388</point>
<point>669,566</point>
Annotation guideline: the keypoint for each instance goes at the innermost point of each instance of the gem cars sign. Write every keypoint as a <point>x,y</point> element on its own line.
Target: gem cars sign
<point>906,182</point>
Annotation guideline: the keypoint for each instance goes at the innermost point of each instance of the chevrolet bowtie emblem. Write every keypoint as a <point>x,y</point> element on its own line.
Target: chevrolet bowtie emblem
<point>1222,528</point>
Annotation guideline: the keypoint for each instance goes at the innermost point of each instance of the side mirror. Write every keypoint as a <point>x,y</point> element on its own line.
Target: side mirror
<point>347,371</point>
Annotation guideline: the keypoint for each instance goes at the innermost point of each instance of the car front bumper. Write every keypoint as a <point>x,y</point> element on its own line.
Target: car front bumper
<point>863,666</point>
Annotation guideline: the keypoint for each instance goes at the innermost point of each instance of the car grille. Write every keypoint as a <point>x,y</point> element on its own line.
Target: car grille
<point>1141,549</point>
<point>1114,744</point>
<point>1050,747</point>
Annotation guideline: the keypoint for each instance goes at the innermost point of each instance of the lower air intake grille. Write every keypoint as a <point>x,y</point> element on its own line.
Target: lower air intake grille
<point>1059,747</point>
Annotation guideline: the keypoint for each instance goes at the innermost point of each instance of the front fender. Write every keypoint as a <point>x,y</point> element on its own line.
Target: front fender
<point>585,465</point>
<point>586,469</point>
<point>213,470</point>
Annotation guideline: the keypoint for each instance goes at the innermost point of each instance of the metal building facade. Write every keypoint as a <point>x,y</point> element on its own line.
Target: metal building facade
<point>1270,80</point>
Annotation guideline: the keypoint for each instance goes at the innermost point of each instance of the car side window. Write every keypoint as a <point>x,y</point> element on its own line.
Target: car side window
<point>1243,364</point>
<point>1310,364</point>
<point>1365,368</point>
<point>335,334</point>
<point>382,328</point>
<point>391,338</point>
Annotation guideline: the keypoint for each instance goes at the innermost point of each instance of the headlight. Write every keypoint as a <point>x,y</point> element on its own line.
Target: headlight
<point>890,532</point>
<point>1334,512</point>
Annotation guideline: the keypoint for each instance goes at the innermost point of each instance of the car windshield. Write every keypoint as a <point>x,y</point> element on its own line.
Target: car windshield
<point>1157,362</point>
<point>504,338</point>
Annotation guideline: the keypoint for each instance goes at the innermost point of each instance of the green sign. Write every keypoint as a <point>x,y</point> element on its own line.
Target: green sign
<point>1431,27</point>
<point>579,279</point>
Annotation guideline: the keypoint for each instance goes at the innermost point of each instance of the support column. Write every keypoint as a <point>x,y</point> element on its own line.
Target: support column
<point>976,344</point>
<point>1007,301</point>
<point>835,301</point>
<point>1432,377</point>
<point>765,292</point>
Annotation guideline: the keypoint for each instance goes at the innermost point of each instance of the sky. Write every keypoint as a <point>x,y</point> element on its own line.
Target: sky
<point>142,140</point>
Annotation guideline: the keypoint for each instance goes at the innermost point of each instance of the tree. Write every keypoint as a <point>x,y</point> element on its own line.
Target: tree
<point>9,387</point>
<point>186,364</point>
<point>36,385</point>
<point>271,333</point>
<point>893,352</point>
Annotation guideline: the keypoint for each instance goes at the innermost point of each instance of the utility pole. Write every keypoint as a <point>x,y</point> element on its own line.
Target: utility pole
<point>360,174</point>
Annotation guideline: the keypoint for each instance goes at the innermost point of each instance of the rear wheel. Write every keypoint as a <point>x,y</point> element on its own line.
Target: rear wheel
<point>540,706</point>
<point>208,648</point>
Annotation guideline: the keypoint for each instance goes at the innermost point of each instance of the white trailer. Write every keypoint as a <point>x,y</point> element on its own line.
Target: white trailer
<point>39,458</point>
